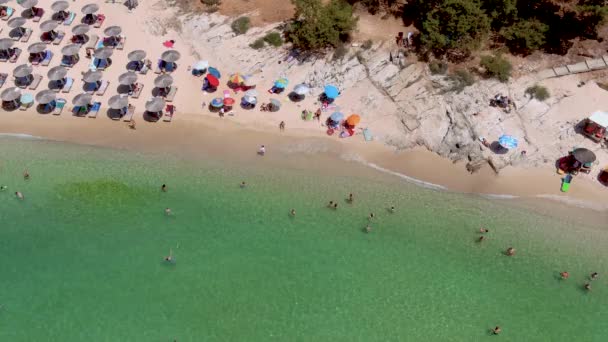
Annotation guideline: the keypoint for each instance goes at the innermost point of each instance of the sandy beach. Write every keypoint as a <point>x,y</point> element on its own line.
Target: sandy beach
<point>195,130</point>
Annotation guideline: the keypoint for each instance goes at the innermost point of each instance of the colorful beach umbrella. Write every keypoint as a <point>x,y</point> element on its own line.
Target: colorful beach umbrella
<point>212,80</point>
<point>217,102</point>
<point>331,91</point>
<point>236,78</point>
<point>508,141</point>
<point>228,101</point>
<point>353,120</point>
<point>213,71</point>
<point>336,116</point>
<point>281,83</point>
<point>301,89</point>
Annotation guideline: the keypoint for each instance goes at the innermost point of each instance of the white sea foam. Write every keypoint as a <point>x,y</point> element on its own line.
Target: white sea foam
<point>575,202</point>
<point>498,196</point>
<point>21,136</point>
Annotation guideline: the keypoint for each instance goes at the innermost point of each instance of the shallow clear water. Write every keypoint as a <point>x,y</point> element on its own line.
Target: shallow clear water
<point>82,256</point>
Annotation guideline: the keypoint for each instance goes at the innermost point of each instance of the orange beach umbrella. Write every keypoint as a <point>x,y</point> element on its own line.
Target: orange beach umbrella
<point>236,78</point>
<point>353,120</point>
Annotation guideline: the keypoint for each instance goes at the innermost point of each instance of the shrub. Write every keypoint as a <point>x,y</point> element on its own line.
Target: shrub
<point>438,67</point>
<point>461,79</point>
<point>525,36</point>
<point>538,92</point>
<point>339,53</point>
<point>317,25</point>
<point>273,38</point>
<point>497,66</point>
<point>257,44</point>
<point>212,2</point>
<point>367,44</point>
<point>241,25</point>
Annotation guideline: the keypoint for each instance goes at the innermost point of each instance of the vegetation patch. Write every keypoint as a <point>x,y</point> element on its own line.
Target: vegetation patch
<point>496,66</point>
<point>257,44</point>
<point>241,25</point>
<point>438,67</point>
<point>538,92</point>
<point>273,38</point>
<point>461,79</point>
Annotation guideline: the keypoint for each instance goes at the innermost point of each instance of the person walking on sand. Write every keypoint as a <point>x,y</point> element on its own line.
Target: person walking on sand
<point>282,126</point>
<point>262,150</point>
<point>19,195</point>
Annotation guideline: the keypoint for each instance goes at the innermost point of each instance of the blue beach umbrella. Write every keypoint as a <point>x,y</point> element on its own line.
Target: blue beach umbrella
<point>213,71</point>
<point>217,102</point>
<point>336,116</point>
<point>331,91</point>
<point>281,83</point>
<point>507,141</point>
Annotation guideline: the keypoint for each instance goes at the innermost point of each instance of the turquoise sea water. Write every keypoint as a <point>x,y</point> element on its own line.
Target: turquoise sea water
<point>82,256</point>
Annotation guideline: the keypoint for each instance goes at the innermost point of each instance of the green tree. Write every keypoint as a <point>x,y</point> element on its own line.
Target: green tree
<point>525,36</point>
<point>591,14</point>
<point>316,26</point>
<point>454,25</point>
<point>502,12</point>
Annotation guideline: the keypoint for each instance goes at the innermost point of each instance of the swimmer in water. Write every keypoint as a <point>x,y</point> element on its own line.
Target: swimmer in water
<point>483,230</point>
<point>371,216</point>
<point>510,251</point>
<point>496,330</point>
<point>368,229</point>
<point>330,204</point>
<point>26,175</point>
<point>565,275</point>
<point>392,209</point>
<point>169,258</point>
<point>351,198</point>
<point>167,211</point>
<point>243,185</point>
<point>19,195</point>
<point>4,187</point>
<point>336,205</point>
<point>292,213</point>
<point>163,188</point>
<point>587,287</point>
<point>594,275</point>
<point>481,238</point>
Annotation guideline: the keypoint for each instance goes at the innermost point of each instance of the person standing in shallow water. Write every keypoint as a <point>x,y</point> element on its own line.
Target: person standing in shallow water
<point>163,188</point>
<point>26,175</point>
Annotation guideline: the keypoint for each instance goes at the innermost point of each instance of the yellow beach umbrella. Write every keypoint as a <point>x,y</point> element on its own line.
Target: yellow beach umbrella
<point>236,78</point>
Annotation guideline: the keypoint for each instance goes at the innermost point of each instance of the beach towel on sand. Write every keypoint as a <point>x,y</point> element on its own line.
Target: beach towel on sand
<point>367,134</point>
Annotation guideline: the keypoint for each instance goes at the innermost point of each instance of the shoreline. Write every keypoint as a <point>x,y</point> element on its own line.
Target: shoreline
<point>198,137</point>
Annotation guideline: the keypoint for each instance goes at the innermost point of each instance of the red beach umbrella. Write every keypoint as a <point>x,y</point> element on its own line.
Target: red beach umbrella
<point>229,101</point>
<point>213,81</point>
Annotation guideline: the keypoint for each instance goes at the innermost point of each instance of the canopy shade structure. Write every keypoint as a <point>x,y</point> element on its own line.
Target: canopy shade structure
<point>92,76</point>
<point>90,8</point>
<point>57,73</point>
<point>70,50</point>
<point>82,100</point>
<point>163,81</point>
<point>127,78</point>
<point>331,91</point>
<point>583,155</point>
<point>10,94</point>
<point>23,70</point>
<point>508,142</point>
<point>156,104</point>
<point>118,102</point>
<point>600,118</point>
<point>170,56</point>
<point>236,78</point>
<point>45,96</point>
<point>136,55</point>
<point>36,47</point>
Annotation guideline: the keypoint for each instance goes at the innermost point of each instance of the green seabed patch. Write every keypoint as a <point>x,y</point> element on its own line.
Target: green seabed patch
<point>100,193</point>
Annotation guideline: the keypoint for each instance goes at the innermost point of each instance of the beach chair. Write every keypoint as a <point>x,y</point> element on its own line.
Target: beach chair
<point>68,85</point>
<point>135,94</point>
<point>171,95</point>
<point>102,88</point>
<point>94,110</point>
<point>59,38</point>
<point>157,69</point>
<point>15,55</point>
<point>130,112</point>
<point>99,21</point>
<point>121,43</point>
<point>9,13</point>
<point>47,58</point>
<point>93,39</point>
<point>59,105</point>
<point>38,15</point>
<point>26,36</point>
<point>144,69</point>
<point>35,82</point>
<point>169,112</point>
<point>70,19</point>
<point>3,77</point>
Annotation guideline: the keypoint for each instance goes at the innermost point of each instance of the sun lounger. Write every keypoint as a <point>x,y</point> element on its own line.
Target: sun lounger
<point>136,94</point>
<point>59,38</point>
<point>26,36</point>
<point>47,58</point>
<point>169,112</point>
<point>100,19</point>
<point>92,42</point>
<point>59,105</point>
<point>35,82</point>
<point>157,69</point>
<point>15,56</point>
<point>68,21</point>
<point>367,134</point>
<point>94,110</point>
<point>38,15</point>
<point>3,77</point>
<point>121,43</point>
<point>9,13</point>
<point>103,87</point>
<point>171,95</point>
<point>130,112</point>
<point>68,85</point>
